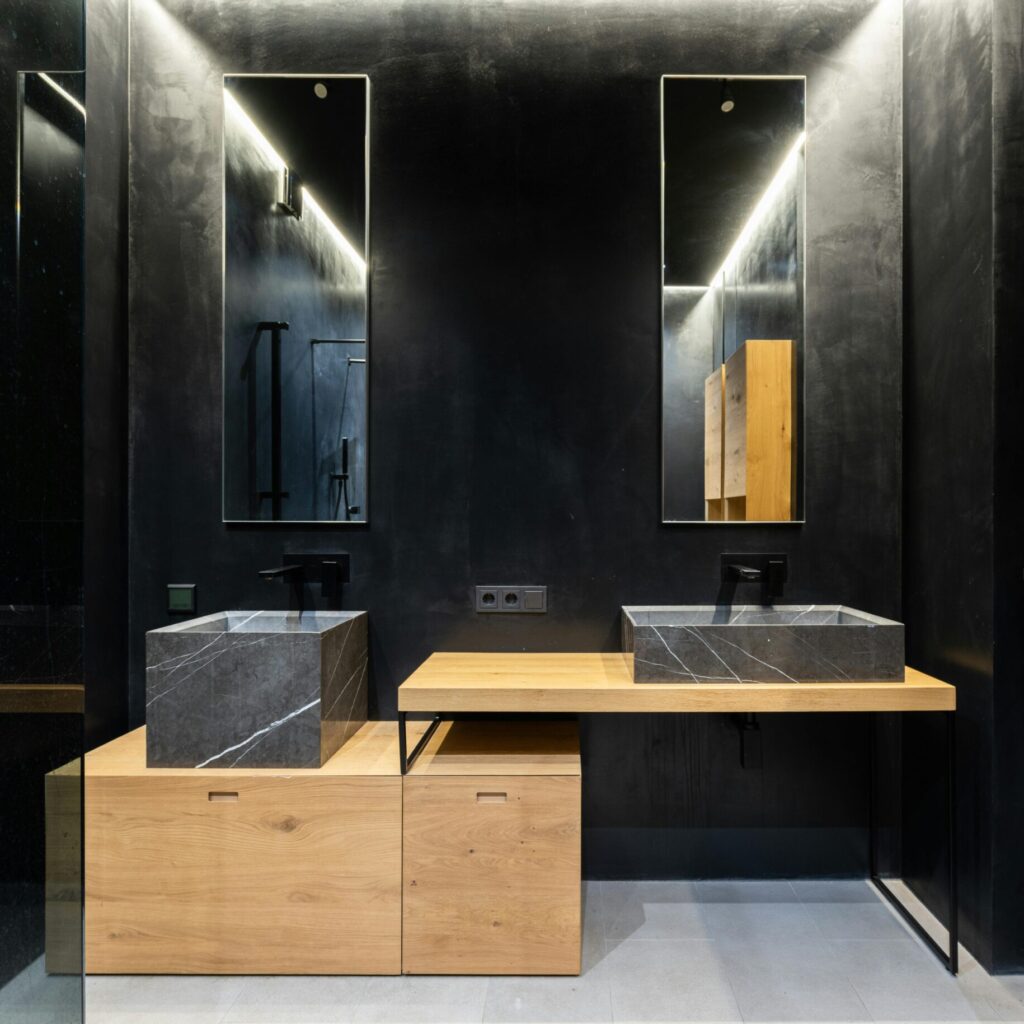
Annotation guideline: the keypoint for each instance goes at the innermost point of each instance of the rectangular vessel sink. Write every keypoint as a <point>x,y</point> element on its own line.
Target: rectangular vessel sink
<point>245,689</point>
<point>755,644</point>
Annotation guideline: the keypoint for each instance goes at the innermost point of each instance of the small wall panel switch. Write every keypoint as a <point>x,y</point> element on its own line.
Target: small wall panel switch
<point>181,598</point>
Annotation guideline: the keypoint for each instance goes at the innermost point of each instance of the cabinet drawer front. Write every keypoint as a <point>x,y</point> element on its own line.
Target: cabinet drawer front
<point>297,875</point>
<point>491,875</point>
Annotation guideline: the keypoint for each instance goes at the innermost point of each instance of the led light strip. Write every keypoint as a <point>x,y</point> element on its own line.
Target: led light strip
<point>230,103</point>
<point>272,154</point>
<point>63,92</point>
<point>762,205</point>
<point>343,242</point>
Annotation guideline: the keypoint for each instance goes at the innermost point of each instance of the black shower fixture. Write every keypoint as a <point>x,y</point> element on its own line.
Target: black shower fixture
<point>290,198</point>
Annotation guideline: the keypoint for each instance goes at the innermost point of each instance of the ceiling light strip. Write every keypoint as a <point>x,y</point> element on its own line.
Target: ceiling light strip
<point>763,204</point>
<point>272,154</point>
<point>63,92</point>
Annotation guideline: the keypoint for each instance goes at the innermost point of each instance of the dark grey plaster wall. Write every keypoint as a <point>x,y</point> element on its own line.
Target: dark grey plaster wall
<point>105,373</point>
<point>764,291</point>
<point>948,427</point>
<point>515,407</point>
<point>688,358</point>
<point>1008,294</point>
<point>963,333</point>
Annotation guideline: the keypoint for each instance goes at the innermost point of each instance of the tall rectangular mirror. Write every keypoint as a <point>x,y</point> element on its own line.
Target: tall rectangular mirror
<point>296,344</point>
<point>732,298</point>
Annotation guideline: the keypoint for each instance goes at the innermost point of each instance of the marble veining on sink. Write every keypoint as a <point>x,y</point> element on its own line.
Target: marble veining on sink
<point>255,689</point>
<point>761,644</point>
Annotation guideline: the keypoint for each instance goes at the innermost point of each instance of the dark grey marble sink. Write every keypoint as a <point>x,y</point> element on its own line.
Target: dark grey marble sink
<point>753,644</point>
<point>251,689</point>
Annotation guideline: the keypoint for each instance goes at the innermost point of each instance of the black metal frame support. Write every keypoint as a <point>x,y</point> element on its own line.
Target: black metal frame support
<point>406,760</point>
<point>949,957</point>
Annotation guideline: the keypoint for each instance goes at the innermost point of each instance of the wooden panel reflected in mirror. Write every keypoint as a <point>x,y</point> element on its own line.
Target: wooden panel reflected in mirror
<point>732,298</point>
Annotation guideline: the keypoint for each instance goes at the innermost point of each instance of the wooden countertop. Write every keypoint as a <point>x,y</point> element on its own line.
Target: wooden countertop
<point>486,682</point>
<point>373,751</point>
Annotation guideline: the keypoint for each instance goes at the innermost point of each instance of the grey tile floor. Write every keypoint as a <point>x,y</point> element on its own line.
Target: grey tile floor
<point>653,951</point>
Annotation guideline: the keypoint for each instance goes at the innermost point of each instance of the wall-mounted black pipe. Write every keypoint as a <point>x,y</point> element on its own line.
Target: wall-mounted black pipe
<point>276,494</point>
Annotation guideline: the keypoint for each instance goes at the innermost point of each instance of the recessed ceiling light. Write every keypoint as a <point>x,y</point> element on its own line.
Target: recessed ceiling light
<point>321,91</point>
<point>727,100</point>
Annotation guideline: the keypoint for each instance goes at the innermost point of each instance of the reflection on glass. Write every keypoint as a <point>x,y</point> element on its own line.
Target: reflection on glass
<point>295,298</point>
<point>41,248</point>
<point>732,298</point>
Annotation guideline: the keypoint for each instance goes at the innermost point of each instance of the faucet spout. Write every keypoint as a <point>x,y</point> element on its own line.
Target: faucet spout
<point>282,572</point>
<point>768,570</point>
<point>295,577</point>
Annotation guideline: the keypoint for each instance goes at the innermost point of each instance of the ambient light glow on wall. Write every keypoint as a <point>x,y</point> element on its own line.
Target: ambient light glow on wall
<point>763,205</point>
<point>62,92</point>
<point>237,111</point>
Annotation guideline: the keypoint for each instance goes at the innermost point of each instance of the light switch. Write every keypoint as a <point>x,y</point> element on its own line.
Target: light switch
<point>181,598</point>
<point>535,599</point>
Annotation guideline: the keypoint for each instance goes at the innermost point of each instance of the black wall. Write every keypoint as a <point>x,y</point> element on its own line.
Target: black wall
<point>962,534</point>
<point>105,372</point>
<point>514,366</point>
<point>1008,279</point>
<point>40,520</point>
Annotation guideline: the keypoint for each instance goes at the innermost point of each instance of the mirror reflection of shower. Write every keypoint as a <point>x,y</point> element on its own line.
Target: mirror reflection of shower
<point>348,447</point>
<point>295,247</point>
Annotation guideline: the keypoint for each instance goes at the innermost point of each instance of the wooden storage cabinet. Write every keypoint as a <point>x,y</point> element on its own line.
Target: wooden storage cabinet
<point>491,851</point>
<point>714,431</point>
<point>256,871</point>
<point>750,435</point>
<point>759,472</point>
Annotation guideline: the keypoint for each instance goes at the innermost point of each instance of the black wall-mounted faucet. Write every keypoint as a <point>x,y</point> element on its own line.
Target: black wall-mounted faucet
<point>295,577</point>
<point>771,571</point>
<point>329,570</point>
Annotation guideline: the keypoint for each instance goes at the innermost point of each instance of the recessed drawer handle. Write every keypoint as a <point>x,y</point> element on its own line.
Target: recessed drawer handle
<point>491,798</point>
<point>217,796</point>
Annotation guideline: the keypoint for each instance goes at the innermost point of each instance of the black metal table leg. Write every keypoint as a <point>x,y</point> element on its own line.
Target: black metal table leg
<point>406,759</point>
<point>950,956</point>
<point>954,915</point>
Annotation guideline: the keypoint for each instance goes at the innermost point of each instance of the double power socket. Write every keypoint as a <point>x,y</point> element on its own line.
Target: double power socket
<point>533,600</point>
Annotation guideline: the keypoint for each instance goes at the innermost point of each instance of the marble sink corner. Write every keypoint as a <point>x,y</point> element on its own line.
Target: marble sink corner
<point>755,644</point>
<point>263,689</point>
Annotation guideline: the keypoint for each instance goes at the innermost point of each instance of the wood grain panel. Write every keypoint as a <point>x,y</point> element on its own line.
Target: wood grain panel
<point>501,748</point>
<point>590,682</point>
<point>255,871</point>
<point>714,425</point>
<point>734,469</point>
<point>771,476</point>
<point>492,875</point>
